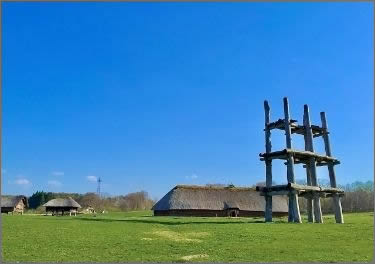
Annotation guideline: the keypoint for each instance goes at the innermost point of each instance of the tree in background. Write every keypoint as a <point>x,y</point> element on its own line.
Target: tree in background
<point>89,199</point>
<point>135,201</point>
<point>358,197</point>
<point>132,201</point>
<point>39,198</point>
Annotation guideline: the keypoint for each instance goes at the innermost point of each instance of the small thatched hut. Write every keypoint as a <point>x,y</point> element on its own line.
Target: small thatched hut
<point>62,205</point>
<point>11,204</point>
<point>191,200</point>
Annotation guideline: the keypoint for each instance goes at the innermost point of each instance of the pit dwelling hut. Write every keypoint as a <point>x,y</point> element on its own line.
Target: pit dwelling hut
<point>193,200</point>
<point>62,205</point>
<point>12,204</point>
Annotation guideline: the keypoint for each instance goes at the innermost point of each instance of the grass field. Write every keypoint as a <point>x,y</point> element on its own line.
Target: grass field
<point>138,236</point>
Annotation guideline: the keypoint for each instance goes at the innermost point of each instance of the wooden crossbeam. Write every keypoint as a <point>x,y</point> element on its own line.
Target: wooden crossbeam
<point>295,128</point>
<point>301,156</point>
<point>324,163</point>
<point>318,164</point>
<point>304,194</point>
<point>280,124</point>
<point>298,187</point>
<point>310,195</point>
<point>317,131</point>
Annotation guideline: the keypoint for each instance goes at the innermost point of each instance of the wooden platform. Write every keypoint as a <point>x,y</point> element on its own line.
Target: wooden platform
<point>317,131</point>
<point>301,190</point>
<point>300,157</point>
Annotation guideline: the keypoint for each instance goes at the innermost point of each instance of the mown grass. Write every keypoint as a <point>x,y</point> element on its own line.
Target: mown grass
<point>138,236</point>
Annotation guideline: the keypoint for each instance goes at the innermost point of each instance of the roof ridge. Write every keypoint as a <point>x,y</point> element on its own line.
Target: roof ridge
<point>203,187</point>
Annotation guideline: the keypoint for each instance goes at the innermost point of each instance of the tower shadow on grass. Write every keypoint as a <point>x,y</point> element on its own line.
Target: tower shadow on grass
<point>172,222</point>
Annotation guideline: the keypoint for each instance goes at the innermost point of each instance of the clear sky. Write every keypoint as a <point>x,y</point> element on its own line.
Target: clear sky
<point>150,95</point>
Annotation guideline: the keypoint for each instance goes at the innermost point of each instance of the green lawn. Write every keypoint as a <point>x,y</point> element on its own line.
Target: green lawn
<point>138,236</point>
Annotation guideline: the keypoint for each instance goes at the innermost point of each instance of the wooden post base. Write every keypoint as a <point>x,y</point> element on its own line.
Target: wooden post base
<point>338,209</point>
<point>268,212</point>
<point>317,210</point>
<point>310,212</point>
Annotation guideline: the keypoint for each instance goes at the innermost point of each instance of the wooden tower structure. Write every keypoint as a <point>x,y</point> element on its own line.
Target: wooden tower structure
<point>310,160</point>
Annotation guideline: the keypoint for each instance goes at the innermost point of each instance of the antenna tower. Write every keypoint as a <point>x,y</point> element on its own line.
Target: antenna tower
<point>98,189</point>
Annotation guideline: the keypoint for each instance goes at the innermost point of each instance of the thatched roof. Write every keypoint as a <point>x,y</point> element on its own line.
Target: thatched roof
<point>12,201</point>
<point>218,198</point>
<point>62,202</point>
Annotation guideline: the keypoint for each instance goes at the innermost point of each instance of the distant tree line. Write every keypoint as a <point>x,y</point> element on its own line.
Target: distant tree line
<point>132,201</point>
<point>358,197</point>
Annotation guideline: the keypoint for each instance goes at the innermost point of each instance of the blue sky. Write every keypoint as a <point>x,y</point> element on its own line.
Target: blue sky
<point>150,95</point>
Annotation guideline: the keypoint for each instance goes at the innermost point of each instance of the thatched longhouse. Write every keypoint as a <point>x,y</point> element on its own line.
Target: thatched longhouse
<point>62,205</point>
<point>12,204</point>
<point>191,200</point>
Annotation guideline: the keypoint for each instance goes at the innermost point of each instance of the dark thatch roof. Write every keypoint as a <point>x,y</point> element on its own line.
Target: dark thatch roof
<point>12,201</point>
<point>218,198</point>
<point>62,202</point>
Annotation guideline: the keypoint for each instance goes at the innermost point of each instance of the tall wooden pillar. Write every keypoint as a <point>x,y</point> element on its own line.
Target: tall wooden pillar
<point>294,213</point>
<point>268,210</point>
<point>309,199</point>
<point>331,171</point>
<point>311,166</point>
